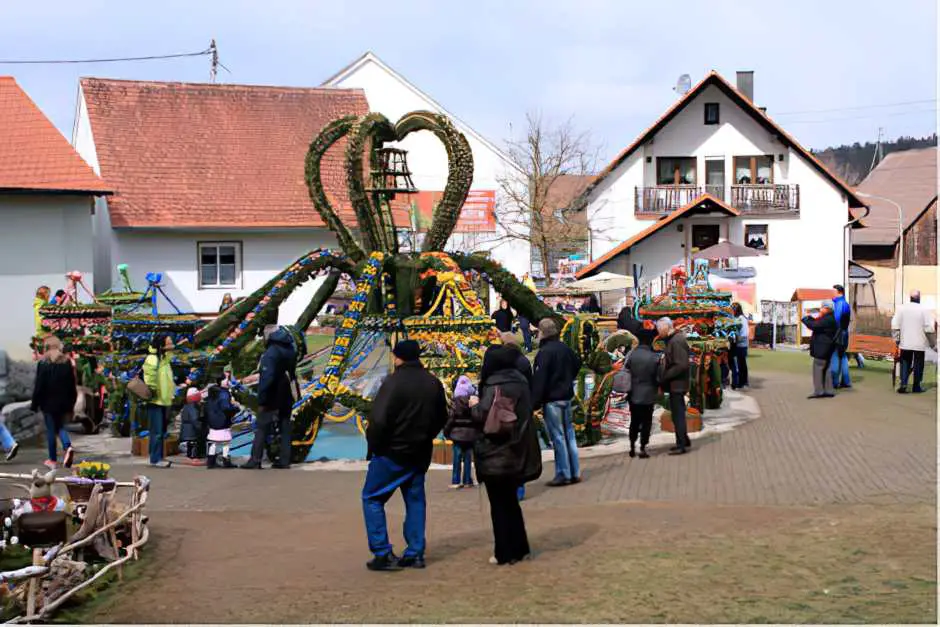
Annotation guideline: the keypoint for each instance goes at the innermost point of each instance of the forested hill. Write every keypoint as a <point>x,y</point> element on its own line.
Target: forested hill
<point>851,163</point>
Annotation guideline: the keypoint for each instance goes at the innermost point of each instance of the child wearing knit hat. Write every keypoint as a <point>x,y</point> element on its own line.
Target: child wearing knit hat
<point>190,426</point>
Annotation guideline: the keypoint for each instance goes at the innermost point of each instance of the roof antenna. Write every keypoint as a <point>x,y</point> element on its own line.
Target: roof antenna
<point>683,85</point>
<point>214,55</point>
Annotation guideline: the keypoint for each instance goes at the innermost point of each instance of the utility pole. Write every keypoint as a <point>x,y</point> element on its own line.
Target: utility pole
<point>214,56</point>
<point>879,151</point>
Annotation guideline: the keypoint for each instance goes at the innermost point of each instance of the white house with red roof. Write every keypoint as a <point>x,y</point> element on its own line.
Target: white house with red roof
<point>47,196</point>
<point>208,183</point>
<point>715,167</point>
<point>209,178</point>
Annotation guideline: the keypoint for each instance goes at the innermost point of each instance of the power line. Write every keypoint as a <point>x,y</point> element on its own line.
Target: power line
<point>112,60</point>
<point>874,106</point>
<point>861,117</point>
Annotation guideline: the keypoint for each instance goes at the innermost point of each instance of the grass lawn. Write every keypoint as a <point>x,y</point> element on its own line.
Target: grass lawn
<point>318,342</point>
<point>799,362</point>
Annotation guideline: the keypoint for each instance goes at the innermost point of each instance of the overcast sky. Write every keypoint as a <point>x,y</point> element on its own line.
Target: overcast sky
<point>611,64</point>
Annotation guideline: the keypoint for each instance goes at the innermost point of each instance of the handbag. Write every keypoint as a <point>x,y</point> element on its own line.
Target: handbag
<point>622,382</point>
<point>138,388</point>
<point>501,417</point>
<point>294,386</point>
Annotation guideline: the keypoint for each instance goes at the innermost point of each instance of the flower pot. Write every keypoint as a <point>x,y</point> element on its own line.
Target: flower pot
<point>80,489</point>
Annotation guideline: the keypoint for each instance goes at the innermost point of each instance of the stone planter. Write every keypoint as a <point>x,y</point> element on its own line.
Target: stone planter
<point>693,421</point>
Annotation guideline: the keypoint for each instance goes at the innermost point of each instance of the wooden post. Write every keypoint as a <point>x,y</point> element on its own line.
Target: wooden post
<point>35,585</point>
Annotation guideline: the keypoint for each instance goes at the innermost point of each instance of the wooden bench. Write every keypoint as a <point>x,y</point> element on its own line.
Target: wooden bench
<point>873,346</point>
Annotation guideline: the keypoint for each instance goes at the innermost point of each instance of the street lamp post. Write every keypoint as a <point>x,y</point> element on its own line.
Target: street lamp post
<point>899,273</point>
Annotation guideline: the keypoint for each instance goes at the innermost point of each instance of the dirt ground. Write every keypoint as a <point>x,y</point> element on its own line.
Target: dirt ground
<point>824,511</point>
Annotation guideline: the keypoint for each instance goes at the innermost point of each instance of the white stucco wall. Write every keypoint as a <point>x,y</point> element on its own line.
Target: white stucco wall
<point>390,95</point>
<point>805,251</point>
<point>175,254</point>
<point>42,238</point>
<point>84,143</point>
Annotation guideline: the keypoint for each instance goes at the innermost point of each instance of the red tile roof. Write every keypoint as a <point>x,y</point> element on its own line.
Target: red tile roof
<point>186,155</point>
<point>813,293</point>
<point>704,203</point>
<point>716,79</point>
<point>909,178</point>
<point>34,155</point>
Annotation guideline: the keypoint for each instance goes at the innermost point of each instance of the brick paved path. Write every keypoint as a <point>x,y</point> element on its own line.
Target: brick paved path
<point>864,446</point>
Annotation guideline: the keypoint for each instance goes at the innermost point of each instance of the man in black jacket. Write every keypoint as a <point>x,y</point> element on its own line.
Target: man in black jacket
<point>643,366</point>
<point>409,410</point>
<point>822,345</point>
<point>556,367</point>
<point>275,398</point>
<point>675,380</point>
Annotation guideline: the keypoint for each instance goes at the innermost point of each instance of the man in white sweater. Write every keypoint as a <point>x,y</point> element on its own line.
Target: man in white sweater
<point>914,331</point>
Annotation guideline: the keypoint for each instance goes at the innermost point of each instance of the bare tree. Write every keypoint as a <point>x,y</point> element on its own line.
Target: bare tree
<point>552,165</point>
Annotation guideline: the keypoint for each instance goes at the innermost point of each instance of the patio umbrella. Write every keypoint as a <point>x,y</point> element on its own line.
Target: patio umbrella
<point>602,282</point>
<point>727,250</point>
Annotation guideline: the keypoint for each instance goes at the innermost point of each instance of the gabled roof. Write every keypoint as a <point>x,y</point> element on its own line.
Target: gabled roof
<point>34,155</point>
<point>714,78</point>
<point>706,203</point>
<point>909,178</point>
<point>371,57</point>
<point>813,293</point>
<point>190,155</point>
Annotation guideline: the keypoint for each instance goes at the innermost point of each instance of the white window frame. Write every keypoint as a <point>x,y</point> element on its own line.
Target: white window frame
<point>238,265</point>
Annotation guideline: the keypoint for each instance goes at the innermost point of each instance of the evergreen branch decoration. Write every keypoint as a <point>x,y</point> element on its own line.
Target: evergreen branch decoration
<point>459,172</point>
<point>367,216</point>
<point>519,297</point>
<point>331,133</point>
<point>375,222</point>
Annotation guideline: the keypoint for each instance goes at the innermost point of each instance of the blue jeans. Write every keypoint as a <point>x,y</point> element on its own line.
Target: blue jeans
<point>463,456</point>
<point>6,440</point>
<point>156,415</point>
<point>383,478</point>
<point>52,432</point>
<point>526,333</point>
<point>839,366</point>
<point>738,363</point>
<point>560,426</point>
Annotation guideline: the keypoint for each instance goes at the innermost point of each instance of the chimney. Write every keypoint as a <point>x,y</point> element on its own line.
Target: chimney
<point>746,84</point>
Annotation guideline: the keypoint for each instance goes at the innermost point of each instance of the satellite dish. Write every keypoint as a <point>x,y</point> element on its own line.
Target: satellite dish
<point>684,84</point>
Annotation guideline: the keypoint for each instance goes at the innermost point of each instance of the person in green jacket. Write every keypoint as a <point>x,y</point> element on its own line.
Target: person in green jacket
<point>158,375</point>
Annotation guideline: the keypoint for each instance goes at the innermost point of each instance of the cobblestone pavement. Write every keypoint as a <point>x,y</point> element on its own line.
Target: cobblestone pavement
<point>865,446</point>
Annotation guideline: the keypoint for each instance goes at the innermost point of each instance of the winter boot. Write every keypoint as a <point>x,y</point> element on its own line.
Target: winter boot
<point>211,461</point>
<point>227,462</point>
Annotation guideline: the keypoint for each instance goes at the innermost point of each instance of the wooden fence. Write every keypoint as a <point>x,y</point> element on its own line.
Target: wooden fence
<point>42,561</point>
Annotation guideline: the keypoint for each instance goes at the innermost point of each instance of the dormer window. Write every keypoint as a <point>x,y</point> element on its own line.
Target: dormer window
<point>711,113</point>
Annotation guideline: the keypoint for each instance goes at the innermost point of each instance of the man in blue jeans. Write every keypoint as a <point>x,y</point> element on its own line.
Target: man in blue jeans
<point>840,360</point>
<point>408,412</point>
<point>556,367</point>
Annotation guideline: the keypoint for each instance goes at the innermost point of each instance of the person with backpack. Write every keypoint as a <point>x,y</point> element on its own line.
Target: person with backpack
<point>277,387</point>
<point>190,423</point>
<point>507,453</point>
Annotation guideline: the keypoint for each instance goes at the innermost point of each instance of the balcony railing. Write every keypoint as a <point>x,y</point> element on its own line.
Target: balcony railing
<point>751,199</point>
<point>766,198</point>
<point>656,201</point>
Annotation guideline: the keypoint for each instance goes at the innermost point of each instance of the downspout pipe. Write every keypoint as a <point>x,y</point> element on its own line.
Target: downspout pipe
<point>847,245</point>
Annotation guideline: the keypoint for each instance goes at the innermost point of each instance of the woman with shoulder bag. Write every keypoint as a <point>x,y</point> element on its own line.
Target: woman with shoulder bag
<point>508,453</point>
<point>158,375</point>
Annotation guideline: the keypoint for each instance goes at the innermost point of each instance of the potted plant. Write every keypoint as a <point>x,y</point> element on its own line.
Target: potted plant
<point>87,475</point>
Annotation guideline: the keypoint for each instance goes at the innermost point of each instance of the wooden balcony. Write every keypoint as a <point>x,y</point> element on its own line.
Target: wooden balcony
<point>760,199</point>
<point>658,201</point>
<point>655,202</point>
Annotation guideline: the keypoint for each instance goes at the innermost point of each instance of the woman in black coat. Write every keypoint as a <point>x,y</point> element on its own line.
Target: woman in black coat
<point>506,461</point>
<point>55,394</point>
<point>503,317</point>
